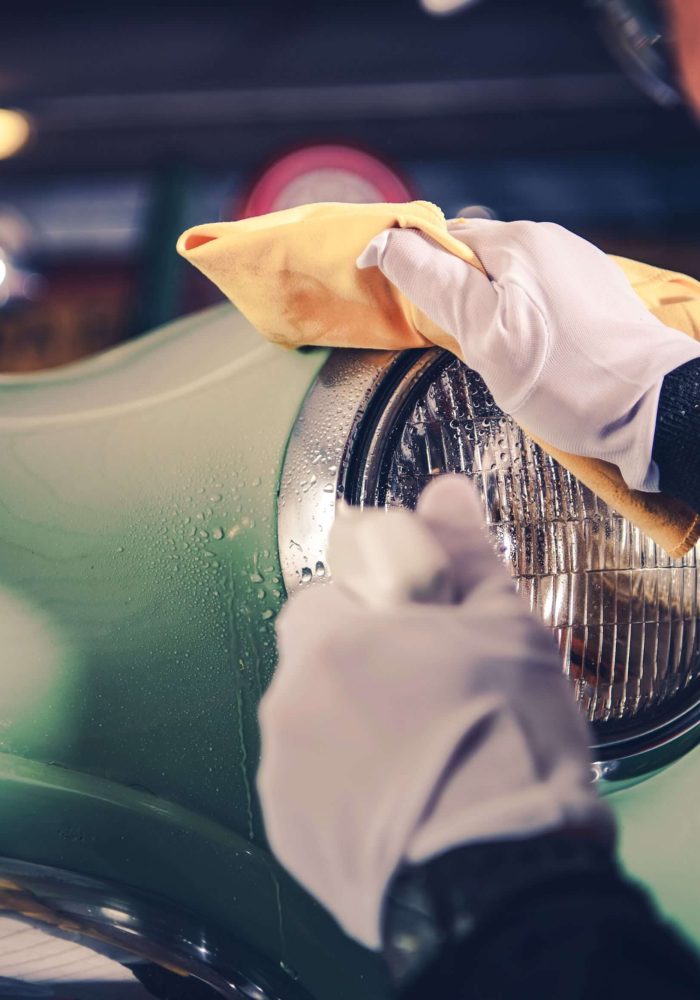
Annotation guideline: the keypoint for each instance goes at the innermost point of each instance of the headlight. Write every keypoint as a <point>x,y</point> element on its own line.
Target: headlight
<point>377,427</point>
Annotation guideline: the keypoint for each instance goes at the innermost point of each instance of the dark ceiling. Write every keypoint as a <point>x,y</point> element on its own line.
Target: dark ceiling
<point>120,86</point>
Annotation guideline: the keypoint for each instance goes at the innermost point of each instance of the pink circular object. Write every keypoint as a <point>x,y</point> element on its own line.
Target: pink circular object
<point>324,173</point>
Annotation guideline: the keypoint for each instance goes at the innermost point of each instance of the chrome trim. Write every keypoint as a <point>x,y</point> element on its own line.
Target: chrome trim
<point>344,417</point>
<point>639,756</point>
<point>107,918</point>
<point>319,449</point>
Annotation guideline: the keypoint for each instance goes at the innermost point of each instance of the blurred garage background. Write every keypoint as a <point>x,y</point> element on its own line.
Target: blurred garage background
<point>151,117</point>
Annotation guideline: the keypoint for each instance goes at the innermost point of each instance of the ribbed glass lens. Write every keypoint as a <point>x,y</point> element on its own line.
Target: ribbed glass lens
<point>624,613</point>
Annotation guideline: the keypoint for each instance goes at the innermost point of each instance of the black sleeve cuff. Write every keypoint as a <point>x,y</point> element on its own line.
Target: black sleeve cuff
<point>435,906</point>
<point>538,917</point>
<point>676,448</point>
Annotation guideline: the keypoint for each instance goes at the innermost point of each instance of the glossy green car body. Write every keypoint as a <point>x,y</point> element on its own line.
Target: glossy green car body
<point>138,538</point>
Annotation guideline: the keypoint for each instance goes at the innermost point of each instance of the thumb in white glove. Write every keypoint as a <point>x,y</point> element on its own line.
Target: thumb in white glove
<point>557,333</point>
<point>393,732</point>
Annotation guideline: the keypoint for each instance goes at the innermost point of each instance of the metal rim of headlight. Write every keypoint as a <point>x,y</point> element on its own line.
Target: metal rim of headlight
<point>105,918</point>
<point>347,419</point>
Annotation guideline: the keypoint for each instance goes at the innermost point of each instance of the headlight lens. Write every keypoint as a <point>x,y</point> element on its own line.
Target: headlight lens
<point>623,612</point>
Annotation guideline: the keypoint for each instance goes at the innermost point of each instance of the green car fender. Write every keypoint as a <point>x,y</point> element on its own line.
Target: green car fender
<point>138,560</point>
<point>659,830</point>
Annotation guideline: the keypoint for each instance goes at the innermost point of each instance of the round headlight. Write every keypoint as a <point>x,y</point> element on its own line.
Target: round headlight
<point>623,612</point>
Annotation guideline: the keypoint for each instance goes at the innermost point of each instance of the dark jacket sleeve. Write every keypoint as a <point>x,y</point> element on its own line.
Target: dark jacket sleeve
<point>546,918</point>
<point>676,448</point>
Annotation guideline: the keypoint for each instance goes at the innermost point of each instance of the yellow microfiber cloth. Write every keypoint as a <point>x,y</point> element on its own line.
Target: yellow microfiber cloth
<point>293,275</point>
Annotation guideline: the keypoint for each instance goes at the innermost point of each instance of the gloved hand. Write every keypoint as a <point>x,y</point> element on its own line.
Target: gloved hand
<point>392,732</point>
<point>556,332</point>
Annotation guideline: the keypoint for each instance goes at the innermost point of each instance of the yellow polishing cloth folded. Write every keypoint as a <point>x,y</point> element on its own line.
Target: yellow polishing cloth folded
<point>293,275</point>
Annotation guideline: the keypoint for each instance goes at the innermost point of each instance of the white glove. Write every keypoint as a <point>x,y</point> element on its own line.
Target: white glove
<point>390,735</point>
<point>556,332</point>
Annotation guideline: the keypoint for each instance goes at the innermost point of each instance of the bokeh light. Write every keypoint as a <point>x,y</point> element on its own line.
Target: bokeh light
<point>15,129</point>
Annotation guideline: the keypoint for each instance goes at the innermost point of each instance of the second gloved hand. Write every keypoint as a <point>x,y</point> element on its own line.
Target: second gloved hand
<point>398,728</point>
<point>555,330</point>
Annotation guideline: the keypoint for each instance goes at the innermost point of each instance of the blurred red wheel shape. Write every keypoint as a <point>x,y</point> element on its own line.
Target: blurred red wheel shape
<point>324,173</point>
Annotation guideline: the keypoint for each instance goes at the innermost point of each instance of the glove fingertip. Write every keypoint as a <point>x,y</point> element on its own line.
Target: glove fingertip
<point>398,253</point>
<point>371,255</point>
<point>452,497</point>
